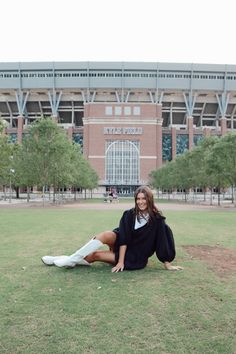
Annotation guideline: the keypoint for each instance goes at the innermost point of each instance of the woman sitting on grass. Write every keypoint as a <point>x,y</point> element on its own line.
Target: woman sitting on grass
<point>141,232</point>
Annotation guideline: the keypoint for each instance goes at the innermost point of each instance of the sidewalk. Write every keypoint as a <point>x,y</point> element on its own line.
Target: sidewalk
<point>81,204</point>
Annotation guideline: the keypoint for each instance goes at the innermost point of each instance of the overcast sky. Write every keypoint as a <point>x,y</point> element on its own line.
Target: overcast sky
<point>186,31</point>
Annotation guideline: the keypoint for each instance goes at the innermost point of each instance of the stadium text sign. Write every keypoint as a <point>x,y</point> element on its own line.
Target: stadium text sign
<point>122,130</point>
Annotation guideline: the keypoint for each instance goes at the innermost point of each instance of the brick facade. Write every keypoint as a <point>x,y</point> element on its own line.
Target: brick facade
<point>133,122</point>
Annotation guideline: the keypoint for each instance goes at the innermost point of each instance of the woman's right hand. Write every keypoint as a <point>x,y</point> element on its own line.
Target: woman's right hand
<point>118,268</point>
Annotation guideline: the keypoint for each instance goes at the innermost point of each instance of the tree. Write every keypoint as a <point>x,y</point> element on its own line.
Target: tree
<point>6,168</point>
<point>25,166</point>
<point>1,126</point>
<point>163,178</point>
<point>84,176</point>
<point>189,170</point>
<point>222,161</point>
<point>44,158</point>
<point>48,159</point>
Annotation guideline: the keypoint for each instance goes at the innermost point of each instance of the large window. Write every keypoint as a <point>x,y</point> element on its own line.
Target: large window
<point>122,162</point>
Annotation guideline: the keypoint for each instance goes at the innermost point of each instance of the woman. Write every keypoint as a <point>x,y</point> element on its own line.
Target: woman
<point>141,232</point>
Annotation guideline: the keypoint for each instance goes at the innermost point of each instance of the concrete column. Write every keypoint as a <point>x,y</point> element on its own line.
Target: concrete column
<point>86,110</point>
<point>223,125</point>
<point>159,142</point>
<point>159,111</point>
<point>206,132</point>
<point>20,124</point>
<point>173,142</point>
<point>55,118</point>
<point>70,133</point>
<point>86,138</point>
<point>86,131</point>
<point>190,132</point>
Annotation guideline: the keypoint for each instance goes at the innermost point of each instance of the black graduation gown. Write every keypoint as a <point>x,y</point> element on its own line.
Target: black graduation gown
<point>143,242</point>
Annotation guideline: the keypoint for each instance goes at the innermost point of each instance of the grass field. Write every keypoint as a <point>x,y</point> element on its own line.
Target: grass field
<point>47,310</point>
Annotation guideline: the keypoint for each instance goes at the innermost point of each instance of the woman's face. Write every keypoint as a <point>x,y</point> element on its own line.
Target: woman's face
<point>141,202</point>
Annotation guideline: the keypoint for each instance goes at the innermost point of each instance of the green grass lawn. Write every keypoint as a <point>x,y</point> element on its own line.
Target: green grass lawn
<point>48,310</point>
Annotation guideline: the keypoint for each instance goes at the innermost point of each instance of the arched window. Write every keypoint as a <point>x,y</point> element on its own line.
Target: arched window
<point>122,162</point>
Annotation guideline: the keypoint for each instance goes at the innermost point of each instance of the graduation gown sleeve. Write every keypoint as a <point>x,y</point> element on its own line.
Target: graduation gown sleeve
<point>125,228</point>
<point>165,245</point>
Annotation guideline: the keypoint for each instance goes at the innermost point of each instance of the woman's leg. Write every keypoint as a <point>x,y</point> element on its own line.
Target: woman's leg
<point>106,237</point>
<point>101,256</point>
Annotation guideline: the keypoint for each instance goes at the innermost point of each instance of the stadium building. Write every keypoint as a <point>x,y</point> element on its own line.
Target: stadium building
<point>129,117</point>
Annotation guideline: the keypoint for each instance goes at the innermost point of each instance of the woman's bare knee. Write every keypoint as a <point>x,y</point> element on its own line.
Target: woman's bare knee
<point>101,256</point>
<point>107,237</point>
<point>94,256</point>
<point>91,257</point>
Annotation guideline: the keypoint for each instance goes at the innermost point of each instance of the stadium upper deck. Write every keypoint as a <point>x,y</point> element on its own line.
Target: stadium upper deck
<point>204,91</point>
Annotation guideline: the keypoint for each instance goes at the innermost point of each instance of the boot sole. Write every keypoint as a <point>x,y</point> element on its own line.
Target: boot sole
<point>49,265</point>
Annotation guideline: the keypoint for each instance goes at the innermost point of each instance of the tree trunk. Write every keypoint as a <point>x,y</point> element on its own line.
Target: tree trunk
<point>5,193</point>
<point>17,192</point>
<point>218,196</point>
<point>28,194</point>
<point>234,195</point>
<point>54,195</point>
<point>43,196</point>
<point>194,194</point>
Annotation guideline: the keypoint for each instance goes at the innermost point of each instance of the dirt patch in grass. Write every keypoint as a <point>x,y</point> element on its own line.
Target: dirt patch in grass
<point>219,259</point>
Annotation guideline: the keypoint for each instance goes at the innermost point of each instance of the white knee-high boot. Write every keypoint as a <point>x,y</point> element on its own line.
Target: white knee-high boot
<point>78,257</point>
<point>49,260</point>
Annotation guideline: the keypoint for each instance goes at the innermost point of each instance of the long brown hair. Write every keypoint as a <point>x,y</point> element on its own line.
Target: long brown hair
<point>151,207</point>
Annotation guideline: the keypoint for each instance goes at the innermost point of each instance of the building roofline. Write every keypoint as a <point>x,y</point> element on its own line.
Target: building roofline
<point>116,65</point>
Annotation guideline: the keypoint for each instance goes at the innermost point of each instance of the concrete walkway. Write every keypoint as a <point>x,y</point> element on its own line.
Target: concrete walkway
<point>85,205</point>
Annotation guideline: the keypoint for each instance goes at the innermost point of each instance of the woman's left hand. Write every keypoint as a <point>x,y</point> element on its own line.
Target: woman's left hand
<point>118,268</point>
<point>169,266</point>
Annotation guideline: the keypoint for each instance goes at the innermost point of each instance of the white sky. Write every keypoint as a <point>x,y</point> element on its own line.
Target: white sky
<point>187,31</point>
